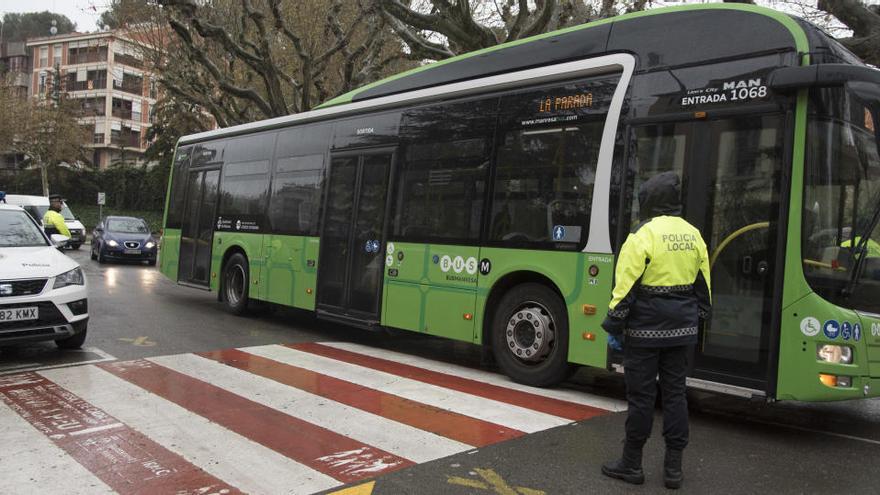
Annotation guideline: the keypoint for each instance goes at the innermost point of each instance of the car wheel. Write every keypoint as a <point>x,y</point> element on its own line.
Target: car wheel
<point>92,253</point>
<point>101,258</point>
<point>530,336</point>
<point>74,341</point>
<point>151,262</point>
<point>75,247</point>
<point>235,282</point>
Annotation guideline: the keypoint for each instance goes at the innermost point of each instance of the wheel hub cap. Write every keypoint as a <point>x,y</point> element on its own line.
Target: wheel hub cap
<point>529,333</point>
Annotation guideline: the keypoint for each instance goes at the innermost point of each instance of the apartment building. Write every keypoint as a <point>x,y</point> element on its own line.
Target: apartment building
<point>103,73</point>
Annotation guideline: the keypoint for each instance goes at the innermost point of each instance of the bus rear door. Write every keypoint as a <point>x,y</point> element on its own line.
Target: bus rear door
<point>352,258</point>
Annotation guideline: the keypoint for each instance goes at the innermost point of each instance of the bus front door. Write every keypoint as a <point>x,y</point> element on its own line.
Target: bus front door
<point>730,171</point>
<point>352,257</point>
<point>197,227</point>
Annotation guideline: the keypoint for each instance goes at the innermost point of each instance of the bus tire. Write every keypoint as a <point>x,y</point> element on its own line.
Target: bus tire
<point>530,336</point>
<point>235,284</point>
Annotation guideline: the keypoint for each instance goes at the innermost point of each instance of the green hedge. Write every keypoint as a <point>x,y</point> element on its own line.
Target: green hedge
<point>130,190</point>
<point>88,215</point>
<point>128,187</point>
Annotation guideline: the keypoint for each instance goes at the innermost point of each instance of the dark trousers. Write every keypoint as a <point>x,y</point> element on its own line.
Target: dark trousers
<point>642,365</point>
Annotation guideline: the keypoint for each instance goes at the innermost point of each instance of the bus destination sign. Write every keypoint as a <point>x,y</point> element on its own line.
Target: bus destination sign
<point>570,102</point>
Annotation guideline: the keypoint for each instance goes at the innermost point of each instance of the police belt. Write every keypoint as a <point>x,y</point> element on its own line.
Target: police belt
<point>666,289</point>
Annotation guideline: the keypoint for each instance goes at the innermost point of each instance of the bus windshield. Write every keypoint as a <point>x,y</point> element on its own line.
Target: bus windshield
<point>841,238</point>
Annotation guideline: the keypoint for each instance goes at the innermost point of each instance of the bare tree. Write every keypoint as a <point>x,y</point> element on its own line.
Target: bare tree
<point>863,20</point>
<point>47,133</point>
<point>245,60</point>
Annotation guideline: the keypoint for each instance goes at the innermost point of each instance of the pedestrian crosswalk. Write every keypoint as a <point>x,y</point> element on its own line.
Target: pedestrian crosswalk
<point>297,418</point>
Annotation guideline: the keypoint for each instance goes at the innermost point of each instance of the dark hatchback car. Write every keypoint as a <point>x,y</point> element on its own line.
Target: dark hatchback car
<point>123,238</point>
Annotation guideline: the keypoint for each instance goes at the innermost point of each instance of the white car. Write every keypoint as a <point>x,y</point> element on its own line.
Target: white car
<point>43,293</point>
<point>37,206</point>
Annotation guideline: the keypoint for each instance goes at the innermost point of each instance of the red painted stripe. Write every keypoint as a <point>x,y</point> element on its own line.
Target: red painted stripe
<point>335,455</point>
<point>124,459</point>
<point>449,424</point>
<point>556,407</point>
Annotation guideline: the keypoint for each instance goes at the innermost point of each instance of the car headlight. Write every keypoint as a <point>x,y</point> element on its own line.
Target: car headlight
<point>73,277</point>
<point>835,354</point>
<point>149,245</point>
<point>112,243</point>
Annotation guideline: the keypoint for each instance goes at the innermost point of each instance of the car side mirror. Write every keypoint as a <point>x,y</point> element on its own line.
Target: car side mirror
<point>99,230</point>
<point>59,240</point>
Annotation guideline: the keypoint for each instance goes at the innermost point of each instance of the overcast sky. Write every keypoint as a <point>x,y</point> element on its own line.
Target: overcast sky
<point>84,13</point>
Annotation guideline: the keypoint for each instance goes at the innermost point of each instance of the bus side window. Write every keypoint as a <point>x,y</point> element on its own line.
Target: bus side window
<point>444,168</point>
<point>657,148</point>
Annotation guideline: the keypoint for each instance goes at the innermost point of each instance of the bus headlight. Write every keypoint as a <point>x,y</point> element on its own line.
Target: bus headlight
<point>835,354</point>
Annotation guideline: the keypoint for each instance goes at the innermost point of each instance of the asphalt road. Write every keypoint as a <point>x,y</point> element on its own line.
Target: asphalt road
<point>737,445</point>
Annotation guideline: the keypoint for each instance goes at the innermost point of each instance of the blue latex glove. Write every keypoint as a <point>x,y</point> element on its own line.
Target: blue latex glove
<point>615,343</point>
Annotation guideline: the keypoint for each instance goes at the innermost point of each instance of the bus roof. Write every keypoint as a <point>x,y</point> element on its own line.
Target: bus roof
<point>661,38</point>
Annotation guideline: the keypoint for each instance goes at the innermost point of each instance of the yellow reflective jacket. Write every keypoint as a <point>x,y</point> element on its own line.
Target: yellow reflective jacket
<point>53,220</point>
<point>662,285</point>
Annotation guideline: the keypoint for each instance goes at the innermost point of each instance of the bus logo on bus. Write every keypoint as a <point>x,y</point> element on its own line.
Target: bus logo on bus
<point>751,83</point>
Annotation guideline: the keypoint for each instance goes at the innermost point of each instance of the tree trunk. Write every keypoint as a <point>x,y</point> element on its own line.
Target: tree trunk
<point>44,178</point>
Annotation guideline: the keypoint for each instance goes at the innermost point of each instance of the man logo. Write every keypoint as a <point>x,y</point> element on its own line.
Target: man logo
<point>5,289</point>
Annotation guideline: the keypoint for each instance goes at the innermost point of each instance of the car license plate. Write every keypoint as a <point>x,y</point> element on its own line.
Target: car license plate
<point>19,314</point>
<point>132,251</point>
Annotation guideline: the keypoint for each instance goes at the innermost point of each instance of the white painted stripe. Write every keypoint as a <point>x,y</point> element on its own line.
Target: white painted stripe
<point>31,463</point>
<point>233,458</point>
<point>500,413</point>
<point>397,438</point>
<point>97,428</point>
<point>21,368</point>
<point>576,396</point>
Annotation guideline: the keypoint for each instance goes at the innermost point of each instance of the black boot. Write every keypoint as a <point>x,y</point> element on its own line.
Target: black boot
<point>672,475</point>
<point>628,468</point>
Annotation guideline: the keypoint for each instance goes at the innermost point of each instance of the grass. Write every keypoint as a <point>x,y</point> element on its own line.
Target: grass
<point>88,215</point>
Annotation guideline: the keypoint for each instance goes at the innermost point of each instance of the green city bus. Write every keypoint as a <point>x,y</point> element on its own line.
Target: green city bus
<point>482,198</point>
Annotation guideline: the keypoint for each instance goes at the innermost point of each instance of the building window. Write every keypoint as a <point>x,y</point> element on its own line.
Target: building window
<point>44,56</point>
<point>56,55</point>
<point>42,83</point>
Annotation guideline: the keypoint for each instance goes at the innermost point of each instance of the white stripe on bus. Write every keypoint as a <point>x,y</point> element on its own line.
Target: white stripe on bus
<point>397,438</point>
<point>519,418</point>
<point>236,460</point>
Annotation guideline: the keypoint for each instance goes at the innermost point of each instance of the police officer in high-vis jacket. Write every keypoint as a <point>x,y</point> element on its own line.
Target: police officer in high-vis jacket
<point>661,294</point>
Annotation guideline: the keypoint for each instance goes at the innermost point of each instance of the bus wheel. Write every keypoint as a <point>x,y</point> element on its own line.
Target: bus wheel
<point>234,288</point>
<point>530,336</point>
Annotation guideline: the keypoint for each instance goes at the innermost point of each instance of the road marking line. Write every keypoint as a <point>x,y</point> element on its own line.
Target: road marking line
<point>33,463</point>
<point>343,458</point>
<point>237,460</point>
<point>482,376</point>
<point>88,431</point>
<point>104,357</point>
<point>142,341</point>
<point>547,405</point>
<point>126,460</point>
<point>397,438</point>
<point>365,489</point>
<point>516,417</point>
<point>493,482</point>
<point>464,429</point>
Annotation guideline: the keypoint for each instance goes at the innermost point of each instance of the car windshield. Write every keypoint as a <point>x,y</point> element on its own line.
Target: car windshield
<point>127,226</point>
<point>39,211</point>
<point>17,230</point>
<point>66,213</point>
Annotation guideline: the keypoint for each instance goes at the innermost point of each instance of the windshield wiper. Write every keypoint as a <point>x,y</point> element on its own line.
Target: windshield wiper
<point>860,252</point>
